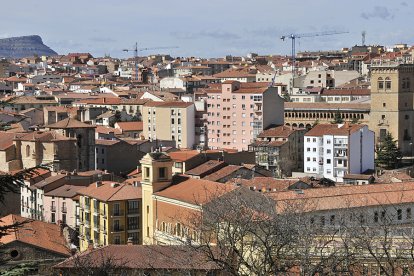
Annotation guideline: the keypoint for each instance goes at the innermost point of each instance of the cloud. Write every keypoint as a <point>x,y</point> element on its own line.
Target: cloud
<point>404,4</point>
<point>218,34</point>
<point>380,12</point>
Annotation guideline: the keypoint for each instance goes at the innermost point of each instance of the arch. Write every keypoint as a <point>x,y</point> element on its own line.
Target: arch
<point>380,83</point>
<point>295,125</point>
<point>287,124</point>
<point>27,150</point>
<point>301,125</point>
<point>387,83</point>
<point>308,126</point>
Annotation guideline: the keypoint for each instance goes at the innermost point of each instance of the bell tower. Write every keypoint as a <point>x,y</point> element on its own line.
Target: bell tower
<point>156,176</point>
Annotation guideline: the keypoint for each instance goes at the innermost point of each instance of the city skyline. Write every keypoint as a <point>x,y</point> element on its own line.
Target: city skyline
<point>211,29</point>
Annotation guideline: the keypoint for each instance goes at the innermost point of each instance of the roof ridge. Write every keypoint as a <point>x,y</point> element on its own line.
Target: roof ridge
<point>121,186</point>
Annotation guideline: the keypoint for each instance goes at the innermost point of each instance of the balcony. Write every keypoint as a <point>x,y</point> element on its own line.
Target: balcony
<point>96,227</point>
<point>133,211</point>
<point>258,108</point>
<point>86,208</point>
<point>340,145</point>
<point>117,213</point>
<point>64,209</point>
<point>103,214</point>
<point>383,122</point>
<point>87,223</point>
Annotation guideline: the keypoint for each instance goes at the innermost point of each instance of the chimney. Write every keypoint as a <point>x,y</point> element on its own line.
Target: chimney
<point>130,242</point>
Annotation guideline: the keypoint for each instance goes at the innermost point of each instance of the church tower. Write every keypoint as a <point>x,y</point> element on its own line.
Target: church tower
<point>392,104</point>
<point>156,176</point>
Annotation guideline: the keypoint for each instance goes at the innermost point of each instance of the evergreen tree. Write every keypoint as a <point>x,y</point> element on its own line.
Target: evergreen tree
<point>388,154</point>
<point>338,119</point>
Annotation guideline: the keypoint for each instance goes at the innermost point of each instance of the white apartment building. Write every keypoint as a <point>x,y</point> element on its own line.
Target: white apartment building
<point>333,150</point>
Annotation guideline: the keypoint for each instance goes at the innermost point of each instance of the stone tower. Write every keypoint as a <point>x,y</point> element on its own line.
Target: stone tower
<point>392,104</point>
<point>156,176</point>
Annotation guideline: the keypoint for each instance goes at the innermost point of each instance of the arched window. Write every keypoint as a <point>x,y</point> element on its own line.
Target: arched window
<point>27,151</point>
<point>380,83</point>
<point>387,83</point>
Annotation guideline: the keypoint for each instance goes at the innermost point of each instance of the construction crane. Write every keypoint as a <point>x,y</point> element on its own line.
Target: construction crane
<point>293,37</point>
<point>136,50</point>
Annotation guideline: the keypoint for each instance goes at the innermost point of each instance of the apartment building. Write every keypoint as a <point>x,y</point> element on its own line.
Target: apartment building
<point>174,121</point>
<point>237,112</point>
<point>279,149</point>
<point>333,150</point>
<point>109,214</point>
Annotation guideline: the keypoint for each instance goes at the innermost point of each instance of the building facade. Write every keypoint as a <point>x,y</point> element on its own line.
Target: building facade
<point>173,121</point>
<point>238,112</point>
<point>333,150</point>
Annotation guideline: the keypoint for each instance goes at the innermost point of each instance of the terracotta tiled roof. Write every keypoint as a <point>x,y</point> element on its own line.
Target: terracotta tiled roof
<point>358,176</point>
<point>206,168</point>
<point>223,172</point>
<point>105,142</point>
<point>148,257</point>
<point>183,155</point>
<point>334,129</point>
<point>130,126</point>
<point>107,191</point>
<point>265,183</point>
<point>107,130</point>
<point>344,197</point>
<point>67,191</point>
<point>196,191</point>
<point>70,123</point>
<point>6,140</point>
<point>36,233</point>
<point>279,131</point>
<point>169,104</point>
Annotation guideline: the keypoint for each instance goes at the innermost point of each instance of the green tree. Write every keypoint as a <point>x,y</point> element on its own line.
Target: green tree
<point>337,119</point>
<point>355,120</point>
<point>388,154</point>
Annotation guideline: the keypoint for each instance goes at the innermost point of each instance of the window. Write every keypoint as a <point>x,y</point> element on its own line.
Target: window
<point>408,213</point>
<point>27,151</point>
<point>308,159</point>
<point>328,151</point>
<point>162,172</point>
<point>375,216</point>
<point>380,83</point>
<point>384,104</point>
<point>399,214</point>
<point>147,172</point>
<point>307,149</point>
<point>307,139</point>
<point>314,140</point>
<point>328,161</point>
<point>117,240</point>
<point>53,218</point>
<point>328,141</point>
<point>387,83</point>
<point>332,220</point>
<point>314,149</point>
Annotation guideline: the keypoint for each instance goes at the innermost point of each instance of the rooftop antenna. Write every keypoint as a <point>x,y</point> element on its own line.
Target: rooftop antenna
<point>363,34</point>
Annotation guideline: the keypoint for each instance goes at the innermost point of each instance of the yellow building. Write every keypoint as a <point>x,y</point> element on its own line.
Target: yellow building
<point>109,214</point>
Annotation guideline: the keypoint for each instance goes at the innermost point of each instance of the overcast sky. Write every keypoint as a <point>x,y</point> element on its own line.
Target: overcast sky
<point>211,28</point>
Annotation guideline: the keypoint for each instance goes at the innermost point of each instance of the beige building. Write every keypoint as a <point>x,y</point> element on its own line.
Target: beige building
<point>392,103</point>
<point>170,121</point>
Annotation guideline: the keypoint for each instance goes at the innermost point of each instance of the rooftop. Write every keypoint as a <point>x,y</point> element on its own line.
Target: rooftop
<point>111,191</point>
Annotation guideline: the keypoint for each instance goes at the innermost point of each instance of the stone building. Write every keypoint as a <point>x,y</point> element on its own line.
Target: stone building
<point>85,140</point>
<point>392,103</point>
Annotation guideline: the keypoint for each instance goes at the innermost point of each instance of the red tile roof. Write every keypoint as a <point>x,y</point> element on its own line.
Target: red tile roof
<point>196,191</point>
<point>130,126</point>
<point>111,191</point>
<point>183,155</point>
<point>148,257</point>
<point>70,123</point>
<point>334,129</point>
<point>279,131</point>
<point>36,233</point>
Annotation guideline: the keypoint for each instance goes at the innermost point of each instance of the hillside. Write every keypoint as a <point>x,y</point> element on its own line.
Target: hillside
<point>24,46</point>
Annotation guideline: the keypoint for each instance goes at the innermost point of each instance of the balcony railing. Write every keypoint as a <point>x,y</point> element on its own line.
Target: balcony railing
<point>53,208</point>
<point>103,214</point>
<point>117,213</point>
<point>117,229</point>
<point>64,210</point>
<point>133,211</point>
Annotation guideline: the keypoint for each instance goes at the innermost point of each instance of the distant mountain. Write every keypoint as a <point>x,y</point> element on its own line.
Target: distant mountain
<point>24,46</point>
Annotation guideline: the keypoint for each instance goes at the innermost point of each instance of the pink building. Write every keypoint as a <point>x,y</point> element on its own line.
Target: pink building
<point>62,205</point>
<point>237,112</point>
